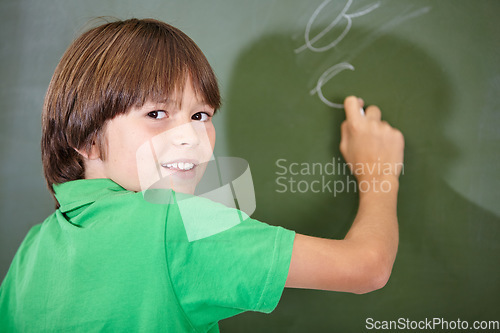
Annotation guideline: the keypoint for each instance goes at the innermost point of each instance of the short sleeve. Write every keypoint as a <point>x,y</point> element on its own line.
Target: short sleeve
<point>240,265</point>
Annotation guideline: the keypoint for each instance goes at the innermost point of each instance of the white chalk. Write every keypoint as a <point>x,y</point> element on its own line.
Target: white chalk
<point>362,111</point>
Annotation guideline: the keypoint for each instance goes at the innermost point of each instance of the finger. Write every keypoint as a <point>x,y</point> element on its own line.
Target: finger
<point>361,102</point>
<point>352,106</point>
<point>373,112</point>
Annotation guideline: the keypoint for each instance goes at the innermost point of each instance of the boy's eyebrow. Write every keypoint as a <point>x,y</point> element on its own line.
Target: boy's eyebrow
<point>171,104</point>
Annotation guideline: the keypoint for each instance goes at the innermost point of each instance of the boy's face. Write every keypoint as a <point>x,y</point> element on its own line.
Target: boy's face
<point>158,145</point>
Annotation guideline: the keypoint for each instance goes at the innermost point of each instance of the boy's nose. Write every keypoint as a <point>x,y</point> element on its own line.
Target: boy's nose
<point>186,134</point>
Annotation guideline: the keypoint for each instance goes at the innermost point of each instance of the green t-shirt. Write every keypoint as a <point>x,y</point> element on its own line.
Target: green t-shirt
<point>109,260</point>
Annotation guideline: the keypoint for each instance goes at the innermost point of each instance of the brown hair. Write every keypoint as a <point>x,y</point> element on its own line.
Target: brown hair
<point>105,72</point>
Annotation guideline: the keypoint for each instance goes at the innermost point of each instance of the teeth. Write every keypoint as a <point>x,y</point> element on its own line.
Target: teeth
<point>179,166</point>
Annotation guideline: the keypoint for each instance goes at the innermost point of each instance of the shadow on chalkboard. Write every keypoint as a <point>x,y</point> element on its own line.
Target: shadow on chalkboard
<point>446,264</point>
<point>274,121</point>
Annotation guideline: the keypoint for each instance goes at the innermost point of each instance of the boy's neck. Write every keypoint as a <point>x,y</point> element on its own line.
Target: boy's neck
<point>94,169</point>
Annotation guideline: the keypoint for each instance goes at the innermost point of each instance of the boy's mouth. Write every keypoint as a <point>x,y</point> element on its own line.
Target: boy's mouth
<point>179,166</point>
<point>182,168</point>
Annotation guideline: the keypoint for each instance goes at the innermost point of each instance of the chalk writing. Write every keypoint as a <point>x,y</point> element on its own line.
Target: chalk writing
<point>325,77</point>
<point>343,16</point>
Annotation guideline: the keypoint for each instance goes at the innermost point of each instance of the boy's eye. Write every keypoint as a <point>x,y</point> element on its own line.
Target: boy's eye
<point>200,116</point>
<point>158,114</point>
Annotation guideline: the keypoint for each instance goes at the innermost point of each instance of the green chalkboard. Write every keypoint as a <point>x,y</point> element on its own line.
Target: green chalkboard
<point>432,66</point>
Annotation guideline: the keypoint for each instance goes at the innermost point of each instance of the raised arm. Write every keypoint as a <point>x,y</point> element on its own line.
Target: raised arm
<point>362,261</point>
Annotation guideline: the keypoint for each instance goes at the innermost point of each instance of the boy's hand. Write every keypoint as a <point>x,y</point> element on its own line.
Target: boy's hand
<point>372,147</point>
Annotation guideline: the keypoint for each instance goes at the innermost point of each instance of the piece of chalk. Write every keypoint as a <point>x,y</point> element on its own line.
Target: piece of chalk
<point>362,111</point>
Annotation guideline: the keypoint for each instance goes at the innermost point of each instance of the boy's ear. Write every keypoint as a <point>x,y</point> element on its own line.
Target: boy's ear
<point>91,153</point>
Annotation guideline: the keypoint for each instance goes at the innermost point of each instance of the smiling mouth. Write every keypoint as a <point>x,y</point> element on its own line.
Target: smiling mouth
<point>179,166</point>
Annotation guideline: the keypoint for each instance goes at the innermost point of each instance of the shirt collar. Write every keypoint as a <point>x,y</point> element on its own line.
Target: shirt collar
<point>77,193</point>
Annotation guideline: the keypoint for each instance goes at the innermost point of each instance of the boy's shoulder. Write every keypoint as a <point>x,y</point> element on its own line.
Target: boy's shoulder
<point>87,202</point>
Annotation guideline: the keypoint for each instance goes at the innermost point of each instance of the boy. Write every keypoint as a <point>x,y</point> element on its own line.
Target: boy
<point>109,260</point>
